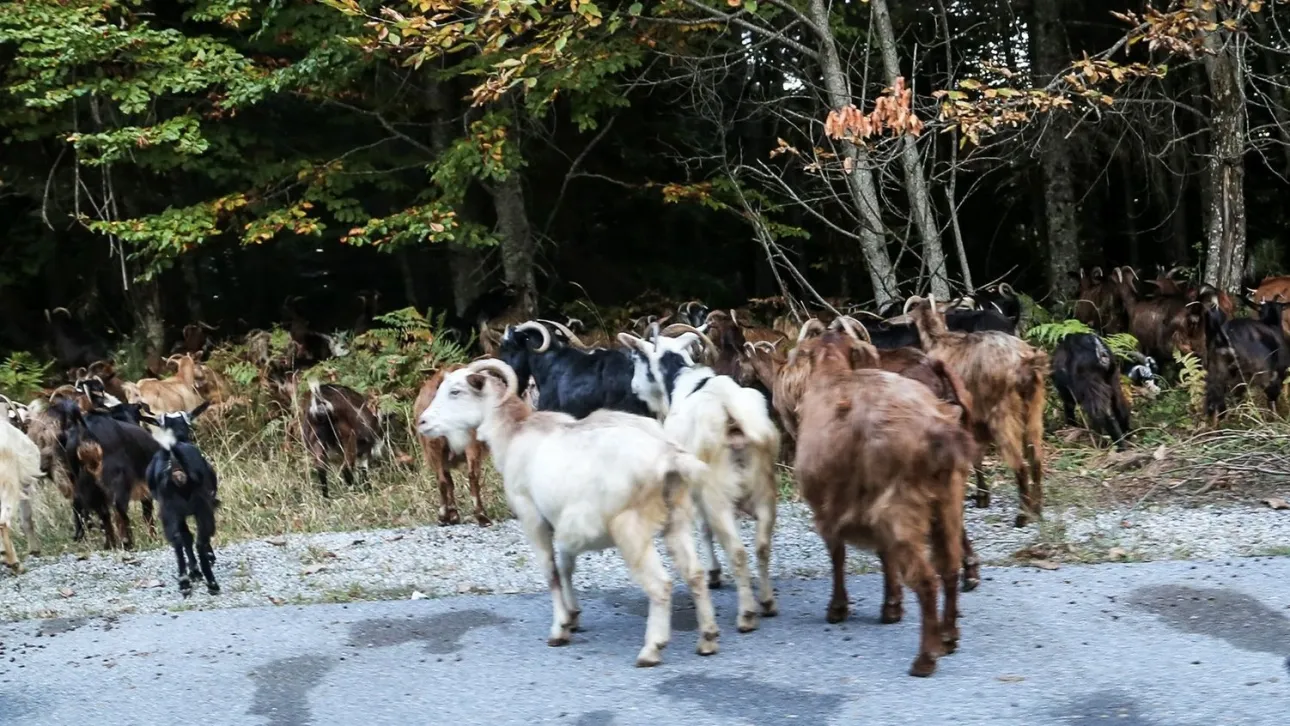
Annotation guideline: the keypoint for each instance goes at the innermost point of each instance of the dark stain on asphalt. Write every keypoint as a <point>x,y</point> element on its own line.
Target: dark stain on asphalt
<point>58,626</point>
<point>282,688</point>
<point>632,602</point>
<point>595,718</point>
<point>440,633</point>
<point>1105,707</point>
<point>1241,620</point>
<point>754,701</point>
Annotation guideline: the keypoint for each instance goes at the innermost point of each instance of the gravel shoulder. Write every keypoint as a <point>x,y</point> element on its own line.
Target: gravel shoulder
<point>392,564</point>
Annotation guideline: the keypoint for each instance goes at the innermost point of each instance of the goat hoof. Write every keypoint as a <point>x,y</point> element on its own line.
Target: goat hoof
<point>185,587</point>
<point>950,640</point>
<point>837,613</point>
<point>747,622</point>
<point>714,579</point>
<point>769,608</point>
<point>892,613</point>
<point>212,588</point>
<point>14,567</point>
<point>558,641</point>
<point>924,665</point>
<point>482,520</point>
<point>649,657</point>
<point>33,552</point>
<point>982,500</point>
<point>970,582</point>
<point>1021,521</point>
<point>706,646</point>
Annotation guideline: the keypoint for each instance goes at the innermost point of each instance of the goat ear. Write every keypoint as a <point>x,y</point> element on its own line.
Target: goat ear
<point>477,381</point>
<point>199,410</point>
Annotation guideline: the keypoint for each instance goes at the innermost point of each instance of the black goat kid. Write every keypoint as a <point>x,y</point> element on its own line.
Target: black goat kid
<point>1086,372</point>
<point>184,485</point>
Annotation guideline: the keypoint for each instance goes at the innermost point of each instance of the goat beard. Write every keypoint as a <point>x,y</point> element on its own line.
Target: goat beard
<point>458,441</point>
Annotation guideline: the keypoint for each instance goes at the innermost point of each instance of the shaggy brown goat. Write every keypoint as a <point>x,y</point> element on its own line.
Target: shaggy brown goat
<point>1161,324</point>
<point>441,460</point>
<point>182,392</point>
<point>1005,377</point>
<point>883,465</point>
<point>338,418</point>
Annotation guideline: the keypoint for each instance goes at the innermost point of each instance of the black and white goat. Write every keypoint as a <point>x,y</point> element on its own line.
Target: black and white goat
<point>184,485</point>
<point>573,381</point>
<point>337,418</point>
<point>729,428</point>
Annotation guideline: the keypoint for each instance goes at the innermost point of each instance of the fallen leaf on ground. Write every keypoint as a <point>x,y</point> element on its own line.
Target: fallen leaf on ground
<point>1010,679</point>
<point>1159,454</point>
<point>66,592</point>
<point>418,595</point>
<point>277,541</point>
<point>1116,553</point>
<point>1045,564</point>
<point>1277,503</point>
<point>277,600</point>
<point>312,569</point>
<point>395,538</point>
<point>146,584</point>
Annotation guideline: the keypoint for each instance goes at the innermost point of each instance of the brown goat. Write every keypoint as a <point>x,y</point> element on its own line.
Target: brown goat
<point>441,460</point>
<point>338,418</point>
<point>1161,324</point>
<point>1005,377</point>
<point>1097,304</point>
<point>182,392</point>
<point>883,465</point>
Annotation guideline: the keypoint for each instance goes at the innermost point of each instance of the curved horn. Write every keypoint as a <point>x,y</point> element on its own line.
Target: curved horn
<point>810,327</point>
<point>208,326</point>
<point>546,334</point>
<point>684,328</point>
<point>573,339</point>
<point>715,314</point>
<point>854,328</point>
<point>507,373</point>
<point>1176,268</point>
<point>571,321</point>
<point>911,302</point>
<point>1006,289</point>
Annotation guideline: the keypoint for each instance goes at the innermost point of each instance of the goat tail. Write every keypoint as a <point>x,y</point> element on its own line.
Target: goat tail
<point>750,411</point>
<point>682,472</point>
<point>951,450</point>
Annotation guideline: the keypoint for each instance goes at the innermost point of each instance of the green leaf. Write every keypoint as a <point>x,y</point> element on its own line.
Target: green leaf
<point>635,9</point>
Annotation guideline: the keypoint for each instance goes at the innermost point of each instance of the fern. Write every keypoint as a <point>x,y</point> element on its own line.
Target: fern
<point>21,375</point>
<point>1123,345</point>
<point>1191,378</point>
<point>1049,335</point>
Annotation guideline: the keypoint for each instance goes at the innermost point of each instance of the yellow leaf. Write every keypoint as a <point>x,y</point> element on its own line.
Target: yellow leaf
<point>970,83</point>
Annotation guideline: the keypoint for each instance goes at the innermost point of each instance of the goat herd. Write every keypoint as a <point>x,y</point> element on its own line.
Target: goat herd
<point>602,445</point>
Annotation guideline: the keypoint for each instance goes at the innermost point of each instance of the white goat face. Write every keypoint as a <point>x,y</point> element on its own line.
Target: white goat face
<point>457,409</point>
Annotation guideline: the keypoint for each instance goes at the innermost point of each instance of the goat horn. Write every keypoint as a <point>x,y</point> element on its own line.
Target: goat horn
<point>1006,289</point>
<point>684,328</point>
<point>854,328</point>
<point>911,302</point>
<point>714,314</point>
<point>208,326</point>
<point>734,318</point>
<point>573,339</point>
<point>810,326</point>
<point>531,325</point>
<point>571,321</point>
<point>506,372</point>
<point>765,345</point>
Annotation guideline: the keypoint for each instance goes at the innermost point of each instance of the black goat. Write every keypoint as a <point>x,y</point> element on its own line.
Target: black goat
<point>184,484</point>
<point>1243,352</point>
<point>1003,300</point>
<point>569,380</point>
<point>888,336</point>
<point>107,461</point>
<point>74,345</point>
<point>1085,372</point>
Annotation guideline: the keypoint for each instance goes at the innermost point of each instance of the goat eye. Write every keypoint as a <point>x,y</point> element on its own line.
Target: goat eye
<point>454,392</point>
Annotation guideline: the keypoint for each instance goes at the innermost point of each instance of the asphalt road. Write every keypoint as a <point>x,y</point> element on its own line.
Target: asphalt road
<point>1164,644</point>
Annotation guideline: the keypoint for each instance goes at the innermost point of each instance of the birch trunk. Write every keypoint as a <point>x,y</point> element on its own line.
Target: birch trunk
<point>1225,190</point>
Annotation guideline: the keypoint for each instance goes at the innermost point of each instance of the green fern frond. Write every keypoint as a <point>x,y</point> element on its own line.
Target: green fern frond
<point>1049,335</point>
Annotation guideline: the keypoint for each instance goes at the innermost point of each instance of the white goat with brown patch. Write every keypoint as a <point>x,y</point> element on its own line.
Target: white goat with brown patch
<point>610,479</point>
<point>19,468</point>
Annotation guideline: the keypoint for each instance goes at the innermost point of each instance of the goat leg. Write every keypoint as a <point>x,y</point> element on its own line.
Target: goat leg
<point>838,606</point>
<point>206,530</point>
<point>447,500</point>
<point>566,562</point>
<point>679,537</point>
<point>474,463</point>
<point>146,505</point>
<point>123,520</point>
<point>982,496</point>
<point>911,562</point>
<point>710,554</point>
<point>10,555</point>
<point>28,524</point>
<point>177,533</point>
<point>893,605</point>
<point>321,473</point>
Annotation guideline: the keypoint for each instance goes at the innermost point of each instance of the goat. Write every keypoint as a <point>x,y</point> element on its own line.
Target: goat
<point>442,459</point>
<point>883,465</point>
<point>338,418</point>
<point>1005,377</point>
<point>1244,352</point>
<point>1002,299</point>
<point>578,485</point>
<point>180,392</point>
<point>73,345</point>
<point>1097,303</point>
<point>729,428</point>
<point>19,469</point>
<point>194,340</point>
<point>1161,324</point>
<point>107,460</point>
<point>310,346</point>
<point>1086,372</point>
<point>184,485</point>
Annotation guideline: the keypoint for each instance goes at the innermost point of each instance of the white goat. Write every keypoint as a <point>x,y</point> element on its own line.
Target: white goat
<point>729,428</point>
<point>577,485</point>
<point>19,468</point>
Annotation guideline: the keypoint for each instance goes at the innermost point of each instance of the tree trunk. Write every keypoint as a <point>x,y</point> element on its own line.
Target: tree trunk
<point>192,287</point>
<point>920,200</point>
<point>517,241</point>
<point>149,323</point>
<point>1130,210</point>
<point>1048,52</point>
<point>409,278</point>
<point>860,182</point>
<point>466,264</point>
<point>1225,190</point>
